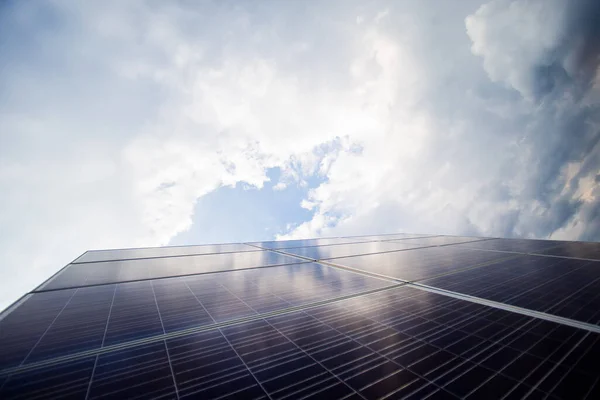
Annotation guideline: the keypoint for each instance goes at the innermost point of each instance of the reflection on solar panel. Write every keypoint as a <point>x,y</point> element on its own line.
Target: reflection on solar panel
<point>380,316</point>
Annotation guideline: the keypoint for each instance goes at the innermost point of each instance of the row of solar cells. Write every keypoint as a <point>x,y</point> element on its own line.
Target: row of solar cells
<point>330,247</point>
<point>398,343</point>
<point>57,323</point>
<point>562,286</point>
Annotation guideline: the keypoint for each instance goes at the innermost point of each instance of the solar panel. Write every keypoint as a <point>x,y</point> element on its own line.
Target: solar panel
<point>417,264</point>
<point>512,245</point>
<point>574,250</point>
<point>74,320</point>
<point>345,250</point>
<point>380,316</point>
<point>137,269</point>
<point>561,286</point>
<point>292,244</point>
<point>173,251</point>
<point>440,240</point>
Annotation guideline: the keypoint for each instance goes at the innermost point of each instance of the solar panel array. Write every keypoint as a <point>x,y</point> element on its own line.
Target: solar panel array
<point>367,317</point>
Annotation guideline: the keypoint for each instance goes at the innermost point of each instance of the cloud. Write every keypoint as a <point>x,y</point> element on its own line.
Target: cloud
<point>490,163</point>
<point>117,118</point>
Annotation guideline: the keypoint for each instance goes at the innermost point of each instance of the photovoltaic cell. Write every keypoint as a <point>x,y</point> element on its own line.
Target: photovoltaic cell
<point>399,343</point>
<point>440,240</point>
<point>21,329</point>
<point>345,250</point>
<point>575,249</point>
<point>417,264</point>
<point>76,275</point>
<point>564,287</point>
<point>290,244</point>
<point>75,320</point>
<point>393,236</point>
<point>67,380</point>
<point>514,245</point>
<point>152,252</point>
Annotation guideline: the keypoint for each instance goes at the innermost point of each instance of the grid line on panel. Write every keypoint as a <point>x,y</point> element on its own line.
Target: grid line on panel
<point>57,273</point>
<point>408,240</point>
<point>48,328</point>
<point>508,307</point>
<point>491,345</point>
<point>14,306</point>
<point>501,283</point>
<point>448,327</point>
<point>383,276</point>
<point>483,264</point>
<point>491,303</point>
<point>530,253</point>
<point>165,341</point>
<point>298,347</point>
<point>164,277</point>
<point>559,362</point>
<point>155,257</point>
<point>227,340</point>
<point>378,353</point>
<point>549,285</point>
<point>87,393</point>
<point>185,332</point>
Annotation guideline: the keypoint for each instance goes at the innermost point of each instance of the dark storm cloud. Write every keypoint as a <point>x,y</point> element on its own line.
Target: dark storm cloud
<point>551,58</point>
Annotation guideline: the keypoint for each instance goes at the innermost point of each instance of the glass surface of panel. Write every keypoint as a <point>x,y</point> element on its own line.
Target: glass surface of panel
<point>516,245</point>
<point>290,244</point>
<point>63,322</point>
<point>68,380</point>
<point>417,264</point>
<point>151,252</point>
<point>439,240</point>
<point>23,327</point>
<point>575,249</point>
<point>353,249</point>
<point>401,342</point>
<point>393,236</point>
<point>130,270</point>
<point>565,287</point>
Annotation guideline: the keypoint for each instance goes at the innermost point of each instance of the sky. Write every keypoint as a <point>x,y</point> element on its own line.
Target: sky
<point>148,123</point>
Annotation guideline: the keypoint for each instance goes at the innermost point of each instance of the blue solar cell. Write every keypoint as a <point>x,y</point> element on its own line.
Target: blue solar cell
<point>69,321</point>
<point>22,328</point>
<point>586,250</point>
<point>440,240</point>
<point>68,380</point>
<point>290,244</point>
<point>152,252</point>
<point>511,245</point>
<point>141,371</point>
<point>293,244</point>
<point>134,313</point>
<point>565,287</point>
<point>76,275</point>
<point>345,250</point>
<point>79,326</point>
<point>417,264</point>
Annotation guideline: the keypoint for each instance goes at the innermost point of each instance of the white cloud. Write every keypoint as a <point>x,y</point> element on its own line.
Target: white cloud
<point>117,117</point>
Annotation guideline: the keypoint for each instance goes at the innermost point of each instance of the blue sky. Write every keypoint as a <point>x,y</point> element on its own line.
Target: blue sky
<point>146,123</point>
